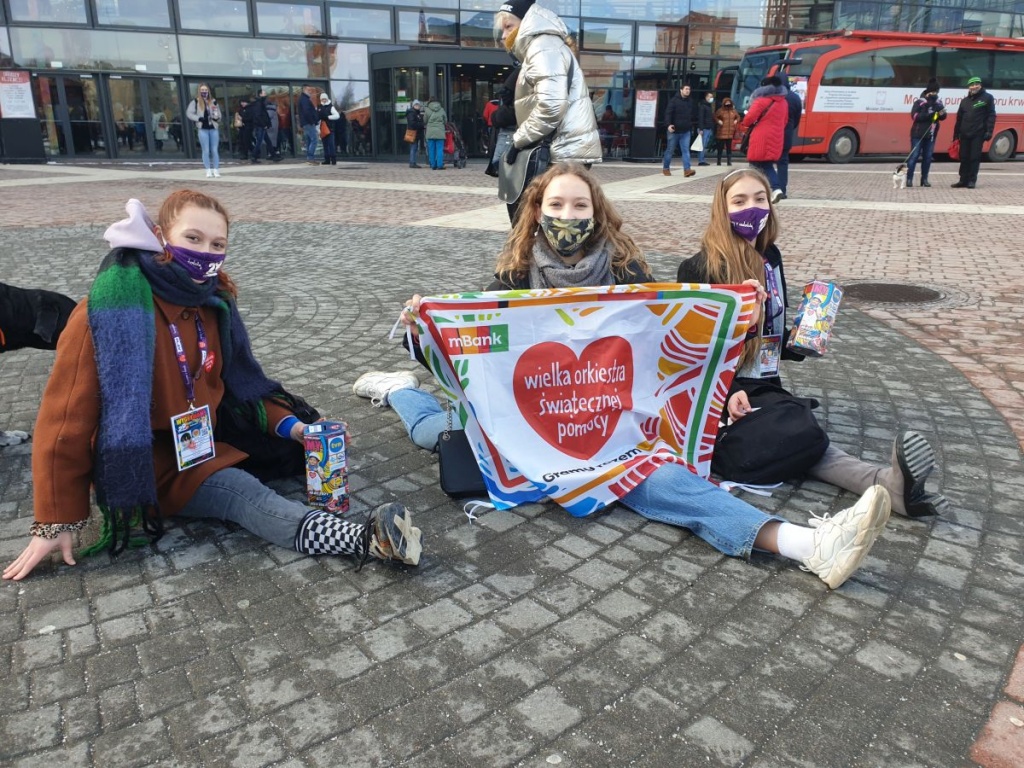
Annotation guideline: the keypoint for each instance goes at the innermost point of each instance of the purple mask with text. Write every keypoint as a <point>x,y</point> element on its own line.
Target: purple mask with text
<point>749,222</point>
<point>199,264</point>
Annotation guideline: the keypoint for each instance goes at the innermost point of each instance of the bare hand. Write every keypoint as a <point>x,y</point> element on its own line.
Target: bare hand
<point>759,300</point>
<point>739,405</point>
<point>39,549</point>
<point>411,312</point>
<point>671,129</point>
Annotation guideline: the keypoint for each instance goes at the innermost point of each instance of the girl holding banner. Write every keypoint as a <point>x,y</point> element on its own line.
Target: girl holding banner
<point>583,246</point>
<point>739,244</point>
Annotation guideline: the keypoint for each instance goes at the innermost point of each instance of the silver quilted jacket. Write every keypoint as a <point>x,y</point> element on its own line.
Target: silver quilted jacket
<point>545,101</point>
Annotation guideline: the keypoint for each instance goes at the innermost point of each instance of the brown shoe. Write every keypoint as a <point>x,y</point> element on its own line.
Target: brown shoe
<point>690,172</point>
<point>666,172</point>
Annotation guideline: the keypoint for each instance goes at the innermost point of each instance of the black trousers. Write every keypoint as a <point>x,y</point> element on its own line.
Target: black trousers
<point>970,158</point>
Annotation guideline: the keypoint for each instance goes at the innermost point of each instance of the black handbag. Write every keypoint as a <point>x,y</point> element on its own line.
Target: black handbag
<point>502,142</point>
<point>460,474</point>
<point>778,442</point>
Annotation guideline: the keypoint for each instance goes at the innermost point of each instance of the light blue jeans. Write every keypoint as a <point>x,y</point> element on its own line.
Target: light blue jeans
<point>422,415</point>
<point>209,141</point>
<point>312,133</point>
<point>672,494</point>
<point>705,135</point>
<point>233,495</point>
<point>680,139</point>
<point>435,153</point>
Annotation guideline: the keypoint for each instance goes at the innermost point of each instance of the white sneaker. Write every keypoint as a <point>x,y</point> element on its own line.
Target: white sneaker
<point>776,195</point>
<point>377,385</point>
<point>216,173</point>
<point>843,541</point>
<point>209,173</point>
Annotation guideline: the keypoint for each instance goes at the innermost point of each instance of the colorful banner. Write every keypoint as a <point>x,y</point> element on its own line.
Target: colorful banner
<point>578,394</point>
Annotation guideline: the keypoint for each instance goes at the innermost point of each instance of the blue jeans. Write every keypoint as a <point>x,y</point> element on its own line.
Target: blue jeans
<point>329,154</point>
<point>209,141</point>
<point>782,167</point>
<point>259,134</point>
<point>422,415</point>
<point>414,151</point>
<point>768,169</point>
<point>680,139</point>
<point>705,135</point>
<point>435,152</point>
<point>233,495</point>
<point>922,152</point>
<point>311,133</point>
<point>674,495</point>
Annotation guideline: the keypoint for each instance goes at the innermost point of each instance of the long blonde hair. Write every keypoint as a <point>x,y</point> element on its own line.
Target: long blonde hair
<point>514,259</point>
<point>201,104</point>
<point>729,258</point>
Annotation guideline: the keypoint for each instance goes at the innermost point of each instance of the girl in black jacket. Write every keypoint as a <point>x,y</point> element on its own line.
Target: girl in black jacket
<point>739,244</point>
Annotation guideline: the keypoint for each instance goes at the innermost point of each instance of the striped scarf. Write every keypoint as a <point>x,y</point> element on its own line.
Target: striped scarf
<point>121,321</point>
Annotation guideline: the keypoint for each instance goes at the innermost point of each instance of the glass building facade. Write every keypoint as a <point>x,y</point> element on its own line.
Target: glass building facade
<point>111,78</point>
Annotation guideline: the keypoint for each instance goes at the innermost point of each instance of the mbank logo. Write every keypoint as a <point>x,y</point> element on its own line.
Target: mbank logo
<point>475,340</point>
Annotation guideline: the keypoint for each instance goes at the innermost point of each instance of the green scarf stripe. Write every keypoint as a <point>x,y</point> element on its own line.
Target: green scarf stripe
<point>121,287</point>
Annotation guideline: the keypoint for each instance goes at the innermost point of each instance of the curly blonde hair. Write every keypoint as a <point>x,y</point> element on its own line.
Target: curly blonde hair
<point>514,259</point>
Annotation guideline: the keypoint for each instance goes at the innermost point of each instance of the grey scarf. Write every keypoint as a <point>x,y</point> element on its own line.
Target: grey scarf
<point>547,270</point>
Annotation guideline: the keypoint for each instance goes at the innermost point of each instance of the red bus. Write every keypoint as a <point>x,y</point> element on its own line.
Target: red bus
<point>858,87</point>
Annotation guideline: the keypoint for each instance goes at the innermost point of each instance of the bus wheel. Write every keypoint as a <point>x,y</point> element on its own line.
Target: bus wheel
<point>843,147</point>
<point>1002,147</point>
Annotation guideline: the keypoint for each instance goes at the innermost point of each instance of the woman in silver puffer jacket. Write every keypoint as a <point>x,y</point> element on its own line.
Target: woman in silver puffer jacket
<point>545,101</point>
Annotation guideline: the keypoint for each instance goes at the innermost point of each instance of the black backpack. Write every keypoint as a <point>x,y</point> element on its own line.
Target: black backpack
<point>778,442</point>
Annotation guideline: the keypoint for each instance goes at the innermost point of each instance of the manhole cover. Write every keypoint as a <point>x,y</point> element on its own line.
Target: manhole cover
<point>895,293</point>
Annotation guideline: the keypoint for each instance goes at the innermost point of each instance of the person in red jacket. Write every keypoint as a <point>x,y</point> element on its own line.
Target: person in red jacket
<point>766,120</point>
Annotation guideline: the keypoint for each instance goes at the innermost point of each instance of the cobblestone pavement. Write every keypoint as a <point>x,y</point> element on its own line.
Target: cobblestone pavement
<point>530,637</point>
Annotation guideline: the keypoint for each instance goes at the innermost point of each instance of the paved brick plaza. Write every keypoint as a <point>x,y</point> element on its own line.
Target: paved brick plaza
<point>530,637</point>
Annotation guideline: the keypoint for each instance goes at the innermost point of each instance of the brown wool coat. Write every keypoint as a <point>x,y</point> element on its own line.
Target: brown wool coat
<point>730,119</point>
<point>66,429</point>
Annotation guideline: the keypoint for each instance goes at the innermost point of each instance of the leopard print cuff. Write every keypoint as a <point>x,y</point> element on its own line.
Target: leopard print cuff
<point>52,530</point>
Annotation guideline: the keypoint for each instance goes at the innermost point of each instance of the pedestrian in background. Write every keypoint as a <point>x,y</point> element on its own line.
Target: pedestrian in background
<point>795,109</point>
<point>309,121</point>
<point>414,122</point>
<point>975,123</point>
<point>727,119</point>
<point>552,102</point>
<point>204,112</point>
<point>331,116</point>
<point>680,115</point>
<point>925,115</point>
<point>766,121</point>
<point>434,120</point>
<point>256,114</point>
<point>705,126</point>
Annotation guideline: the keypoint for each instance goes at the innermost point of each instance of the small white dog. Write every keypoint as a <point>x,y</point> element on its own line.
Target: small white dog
<point>899,178</point>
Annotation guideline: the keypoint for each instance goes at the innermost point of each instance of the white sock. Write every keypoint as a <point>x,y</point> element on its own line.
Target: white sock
<point>795,541</point>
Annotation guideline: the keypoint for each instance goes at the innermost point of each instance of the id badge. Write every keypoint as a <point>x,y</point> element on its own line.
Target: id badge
<point>769,355</point>
<point>193,437</point>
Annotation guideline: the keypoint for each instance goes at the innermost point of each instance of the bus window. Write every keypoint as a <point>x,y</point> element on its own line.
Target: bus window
<point>858,69</point>
<point>1009,71</point>
<point>808,58</point>
<point>911,66</point>
<point>956,65</point>
<point>752,69</point>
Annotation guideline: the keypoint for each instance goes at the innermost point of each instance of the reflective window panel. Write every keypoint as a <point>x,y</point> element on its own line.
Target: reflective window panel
<point>214,15</point>
<point>289,19</point>
<point>209,56</point>
<point>365,23</point>
<point>133,13</point>
<point>607,36</point>
<point>428,27</point>
<point>94,49</point>
<point>56,11</point>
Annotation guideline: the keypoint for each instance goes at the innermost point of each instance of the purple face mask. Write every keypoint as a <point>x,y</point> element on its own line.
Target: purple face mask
<point>199,264</point>
<point>749,222</point>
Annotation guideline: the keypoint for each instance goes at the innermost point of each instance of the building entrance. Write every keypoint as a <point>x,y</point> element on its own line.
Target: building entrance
<point>463,81</point>
<point>68,108</point>
<point>146,116</point>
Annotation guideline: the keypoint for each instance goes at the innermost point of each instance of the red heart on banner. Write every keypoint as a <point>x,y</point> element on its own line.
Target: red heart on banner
<point>574,403</point>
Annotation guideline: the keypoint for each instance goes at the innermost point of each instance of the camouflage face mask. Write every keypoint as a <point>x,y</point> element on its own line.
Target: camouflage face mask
<point>566,236</point>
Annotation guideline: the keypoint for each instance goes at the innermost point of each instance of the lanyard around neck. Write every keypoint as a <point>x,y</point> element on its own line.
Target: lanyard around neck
<point>187,377</point>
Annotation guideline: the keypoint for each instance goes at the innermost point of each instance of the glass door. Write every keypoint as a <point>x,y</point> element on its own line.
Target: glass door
<point>472,86</point>
<point>69,115</point>
<point>147,117</point>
